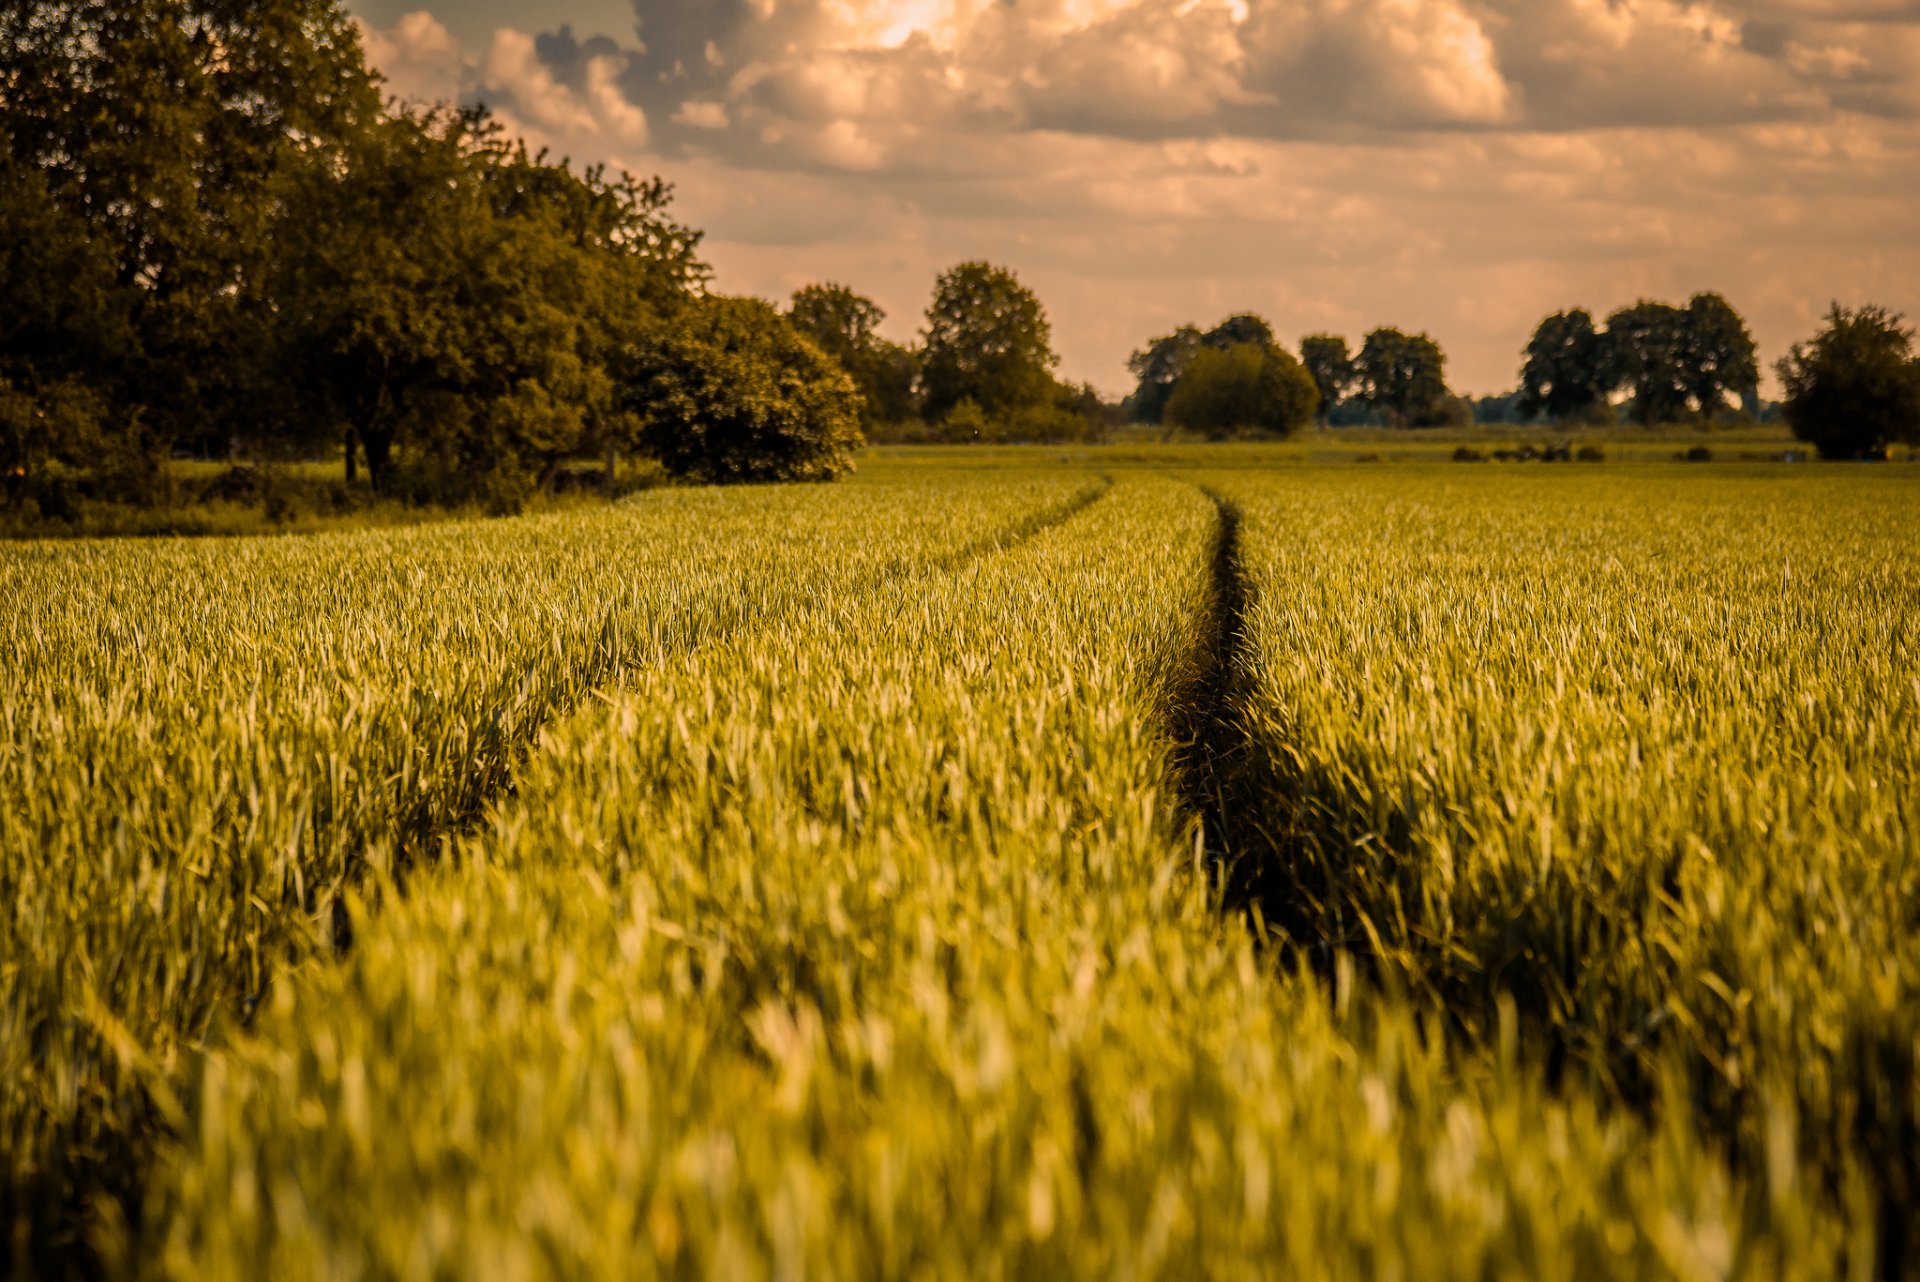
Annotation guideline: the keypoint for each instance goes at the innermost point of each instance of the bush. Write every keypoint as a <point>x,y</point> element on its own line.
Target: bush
<point>965,423</point>
<point>1248,387</point>
<point>730,392</point>
<point>1698,454</point>
<point>1467,454</point>
<point>1855,389</point>
<point>1591,454</point>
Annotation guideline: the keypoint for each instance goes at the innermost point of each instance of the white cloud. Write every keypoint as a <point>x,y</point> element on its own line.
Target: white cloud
<point>1460,166</point>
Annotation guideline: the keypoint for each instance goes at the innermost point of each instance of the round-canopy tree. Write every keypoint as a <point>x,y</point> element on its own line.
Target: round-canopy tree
<point>1855,389</point>
<point>1570,370</point>
<point>1246,387</point>
<point>988,341</point>
<point>1330,362</point>
<point>729,391</point>
<point>845,325</point>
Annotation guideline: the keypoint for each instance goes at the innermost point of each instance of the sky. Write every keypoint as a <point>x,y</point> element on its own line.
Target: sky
<point>1461,167</point>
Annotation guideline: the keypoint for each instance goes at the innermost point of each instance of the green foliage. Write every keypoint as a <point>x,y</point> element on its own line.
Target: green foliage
<point>1721,362</point>
<point>1239,329</point>
<point>1329,361</point>
<point>1682,362</point>
<point>1570,370</point>
<point>1245,387</point>
<point>1403,377</point>
<point>988,341</point>
<point>1855,388</point>
<point>476,318</point>
<point>219,235</point>
<point>1158,368</point>
<point>844,325</point>
<point>729,391</point>
<point>157,130</point>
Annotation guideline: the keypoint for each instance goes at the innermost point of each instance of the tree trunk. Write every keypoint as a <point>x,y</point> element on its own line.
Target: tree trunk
<point>353,465</point>
<point>379,447</point>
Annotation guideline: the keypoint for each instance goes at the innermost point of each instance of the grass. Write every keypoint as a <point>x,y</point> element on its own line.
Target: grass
<point>826,881</point>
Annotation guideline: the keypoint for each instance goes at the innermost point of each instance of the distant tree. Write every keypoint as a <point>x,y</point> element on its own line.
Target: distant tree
<point>1570,370</point>
<point>1650,342</point>
<point>1403,377</point>
<point>841,323</point>
<point>1236,330</point>
<point>1855,388</point>
<point>1328,359</point>
<point>1504,408</point>
<point>1158,367</point>
<point>1244,387</point>
<point>1720,358</point>
<point>988,341</point>
<point>731,392</point>
<point>845,325</point>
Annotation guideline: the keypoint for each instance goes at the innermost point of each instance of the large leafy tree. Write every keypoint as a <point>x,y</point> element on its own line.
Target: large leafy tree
<point>987,341</point>
<point>1404,378</point>
<point>62,322</point>
<point>1720,359</point>
<point>1649,342</point>
<point>845,325</point>
<point>1854,389</point>
<point>1157,367</point>
<point>467,299</point>
<point>1570,370</point>
<point>1243,327</point>
<point>1329,361</point>
<point>158,129</point>
<point>1682,362</point>
<point>729,391</point>
<point>1244,387</point>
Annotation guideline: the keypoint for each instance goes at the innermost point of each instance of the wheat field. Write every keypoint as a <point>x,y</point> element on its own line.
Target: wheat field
<point>1038,867</point>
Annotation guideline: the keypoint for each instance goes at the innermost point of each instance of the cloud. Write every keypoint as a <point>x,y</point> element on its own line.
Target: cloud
<point>1461,166</point>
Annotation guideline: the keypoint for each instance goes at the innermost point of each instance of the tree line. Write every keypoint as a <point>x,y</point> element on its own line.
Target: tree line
<point>1852,391</point>
<point>983,370</point>
<point>217,235</point>
<point>1236,377</point>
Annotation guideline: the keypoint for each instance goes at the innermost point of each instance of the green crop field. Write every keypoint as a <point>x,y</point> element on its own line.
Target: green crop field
<point>1140,862</point>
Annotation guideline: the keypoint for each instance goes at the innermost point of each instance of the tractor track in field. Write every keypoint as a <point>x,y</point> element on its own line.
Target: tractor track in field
<point>1224,780</point>
<point>1209,731</point>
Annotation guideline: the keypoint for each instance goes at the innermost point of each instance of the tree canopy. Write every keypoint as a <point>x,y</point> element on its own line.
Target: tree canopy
<point>1854,389</point>
<point>1570,370</point>
<point>1243,387</point>
<point>1157,368</point>
<point>1329,361</point>
<point>988,341</point>
<point>845,325</point>
<point>1403,377</point>
<point>729,391</point>
<point>213,228</point>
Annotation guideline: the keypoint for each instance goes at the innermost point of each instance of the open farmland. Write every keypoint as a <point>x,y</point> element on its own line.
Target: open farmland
<point>1084,866</point>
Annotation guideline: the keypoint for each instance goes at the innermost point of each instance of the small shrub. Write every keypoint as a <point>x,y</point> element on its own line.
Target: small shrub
<point>1590,454</point>
<point>1698,454</point>
<point>1467,454</point>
